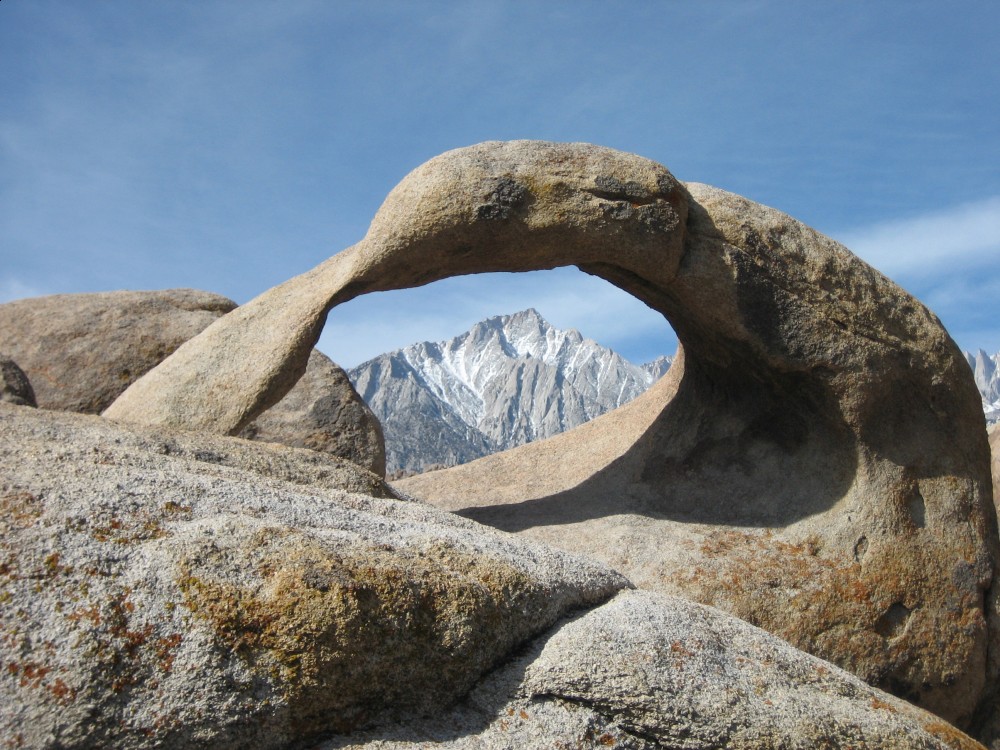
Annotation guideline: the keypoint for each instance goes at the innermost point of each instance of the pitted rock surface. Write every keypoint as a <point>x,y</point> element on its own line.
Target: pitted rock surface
<point>815,462</point>
<point>84,350</point>
<point>987,725</point>
<point>14,385</point>
<point>995,452</point>
<point>174,590</point>
<point>648,671</point>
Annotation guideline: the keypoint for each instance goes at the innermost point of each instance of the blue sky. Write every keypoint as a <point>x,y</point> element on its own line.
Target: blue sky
<point>229,145</point>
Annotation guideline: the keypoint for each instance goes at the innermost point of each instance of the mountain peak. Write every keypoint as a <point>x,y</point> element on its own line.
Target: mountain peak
<point>986,371</point>
<point>530,313</point>
<point>508,380</point>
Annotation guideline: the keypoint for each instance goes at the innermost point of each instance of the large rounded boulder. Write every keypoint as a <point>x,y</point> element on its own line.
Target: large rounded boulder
<point>173,590</point>
<point>81,351</point>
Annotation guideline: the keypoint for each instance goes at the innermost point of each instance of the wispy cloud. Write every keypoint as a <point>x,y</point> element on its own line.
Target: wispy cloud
<point>965,235</point>
<point>949,259</point>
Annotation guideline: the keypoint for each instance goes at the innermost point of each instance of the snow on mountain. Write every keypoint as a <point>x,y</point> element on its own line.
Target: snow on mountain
<point>513,379</point>
<point>510,380</point>
<point>986,369</point>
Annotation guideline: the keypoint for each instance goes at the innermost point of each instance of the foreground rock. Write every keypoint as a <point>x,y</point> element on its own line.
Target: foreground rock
<point>987,725</point>
<point>83,350</point>
<point>648,671</point>
<point>995,451</point>
<point>815,464</point>
<point>173,590</point>
<point>14,385</point>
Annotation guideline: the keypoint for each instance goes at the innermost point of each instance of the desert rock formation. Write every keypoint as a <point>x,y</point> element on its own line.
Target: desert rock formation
<point>81,351</point>
<point>995,452</point>
<point>833,487</point>
<point>324,413</point>
<point>648,671</point>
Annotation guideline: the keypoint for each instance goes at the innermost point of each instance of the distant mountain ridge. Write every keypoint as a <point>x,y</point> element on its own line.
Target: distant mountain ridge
<point>514,379</point>
<point>509,380</point>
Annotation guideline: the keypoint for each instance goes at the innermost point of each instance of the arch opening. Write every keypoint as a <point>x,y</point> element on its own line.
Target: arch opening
<point>470,366</point>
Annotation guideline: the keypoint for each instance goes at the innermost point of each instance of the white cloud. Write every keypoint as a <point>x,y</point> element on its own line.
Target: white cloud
<point>965,235</point>
<point>949,259</point>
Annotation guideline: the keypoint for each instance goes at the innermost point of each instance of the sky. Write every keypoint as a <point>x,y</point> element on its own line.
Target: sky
<point>229,145</point>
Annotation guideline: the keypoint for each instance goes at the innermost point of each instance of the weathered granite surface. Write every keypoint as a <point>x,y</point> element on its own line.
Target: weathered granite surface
<point>174,590</point>
<point>14,385</point>
<point>648,671</point>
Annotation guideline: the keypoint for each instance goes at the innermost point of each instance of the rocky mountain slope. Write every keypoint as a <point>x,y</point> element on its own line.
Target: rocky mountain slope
<point>510,380</point>
<point>987,371</point>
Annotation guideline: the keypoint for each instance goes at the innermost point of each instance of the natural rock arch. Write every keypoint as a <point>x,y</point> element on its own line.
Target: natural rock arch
<point>814,465</point>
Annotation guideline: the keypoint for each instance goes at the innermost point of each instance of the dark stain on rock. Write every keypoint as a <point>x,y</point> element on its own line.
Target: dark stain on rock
<point>860,548</point>
<point>507,194</point>
<point>613,189</point>
<point>917,509</point>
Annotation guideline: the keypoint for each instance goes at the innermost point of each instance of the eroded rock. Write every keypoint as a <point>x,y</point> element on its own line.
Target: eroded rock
<point>987,724</point>
<point>173,590</point>
<point>648,671</point>
<point>324,413</point>
<point>814,463</point>
<point>81,351</point>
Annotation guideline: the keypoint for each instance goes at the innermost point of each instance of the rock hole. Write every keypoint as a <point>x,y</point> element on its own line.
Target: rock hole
<point>860,548</point>
<point>455,420</point>
<point>892,624</point>
<point>917,509</point>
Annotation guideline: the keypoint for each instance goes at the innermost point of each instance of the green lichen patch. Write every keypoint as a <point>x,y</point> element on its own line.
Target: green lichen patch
<point>19,510</point>
<point>348,632</point>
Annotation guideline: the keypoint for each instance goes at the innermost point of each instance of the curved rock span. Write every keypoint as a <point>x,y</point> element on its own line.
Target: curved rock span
<point>815,461</point>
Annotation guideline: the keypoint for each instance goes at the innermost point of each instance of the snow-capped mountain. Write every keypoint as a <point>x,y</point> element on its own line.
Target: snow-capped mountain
<point>987,372</point>
<point>509,380</point>
<point>513,379</point>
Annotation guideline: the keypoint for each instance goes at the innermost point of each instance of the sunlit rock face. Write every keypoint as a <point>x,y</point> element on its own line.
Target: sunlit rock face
<point>168,589</point>
<point>815,461</point>
<point>81,351</point>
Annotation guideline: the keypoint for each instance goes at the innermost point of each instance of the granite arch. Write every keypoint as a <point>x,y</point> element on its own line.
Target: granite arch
<point>816,407</point>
